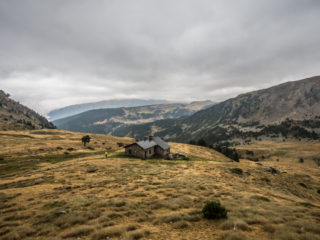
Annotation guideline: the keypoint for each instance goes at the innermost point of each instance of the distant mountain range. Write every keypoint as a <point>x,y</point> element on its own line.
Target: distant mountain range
<point>115,103</point>
<point>288,109</point>
<point>110,119</point>
<point>15,116</point>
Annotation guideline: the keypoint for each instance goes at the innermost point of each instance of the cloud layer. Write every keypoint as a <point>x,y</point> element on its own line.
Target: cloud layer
<point>56,53</point>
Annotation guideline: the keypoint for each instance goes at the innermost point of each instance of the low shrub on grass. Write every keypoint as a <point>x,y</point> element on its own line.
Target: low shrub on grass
<point>303,185</point>
<point>260,198</point>
<point>236,171</point>
<point>214,210</point>
<point>181,224</point>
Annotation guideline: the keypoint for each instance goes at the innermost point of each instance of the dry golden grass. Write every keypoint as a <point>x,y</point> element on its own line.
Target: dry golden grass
<point>128,198</point>
<point>289,151</point>
<point>197,152</point>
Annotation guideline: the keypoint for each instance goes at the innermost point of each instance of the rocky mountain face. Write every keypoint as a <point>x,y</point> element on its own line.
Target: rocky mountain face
<point>15,116</point>
<point>110,119</point>
<point>289,109</point>
<point>115,103</point>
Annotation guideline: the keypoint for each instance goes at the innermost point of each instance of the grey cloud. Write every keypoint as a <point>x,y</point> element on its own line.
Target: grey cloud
<point>55,53</point>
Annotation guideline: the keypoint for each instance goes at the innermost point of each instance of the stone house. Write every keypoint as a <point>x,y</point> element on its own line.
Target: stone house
<point>148,148</point>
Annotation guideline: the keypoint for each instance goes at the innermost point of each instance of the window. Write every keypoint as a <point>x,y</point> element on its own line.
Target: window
<point>150,151</point>
<point>130,151</point>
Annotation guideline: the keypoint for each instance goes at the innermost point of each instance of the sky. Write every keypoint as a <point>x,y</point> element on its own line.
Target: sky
<point>58,53</point>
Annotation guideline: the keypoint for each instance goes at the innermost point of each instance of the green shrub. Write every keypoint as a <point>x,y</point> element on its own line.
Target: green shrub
<point>214,210</point>
<point>202,142</point>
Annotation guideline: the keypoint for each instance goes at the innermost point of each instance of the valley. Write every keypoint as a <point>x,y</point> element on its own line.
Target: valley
<point>290,109</point>
<point>159,120</point>
<point>108,120</point>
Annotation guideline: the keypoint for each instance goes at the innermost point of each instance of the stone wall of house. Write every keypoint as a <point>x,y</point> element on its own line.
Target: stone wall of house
<point>135,151</point>
<point>163,153</point>
<point>150,152</point>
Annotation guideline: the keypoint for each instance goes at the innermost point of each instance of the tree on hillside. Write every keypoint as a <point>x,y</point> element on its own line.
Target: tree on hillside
<point>85,139</point>
<point>202,142</point>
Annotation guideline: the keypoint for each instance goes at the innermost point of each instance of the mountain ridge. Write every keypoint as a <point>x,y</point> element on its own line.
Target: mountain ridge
<point>15,116</point>
<point>245,116</point>
<point>109,119</point>
<point>112,103</point>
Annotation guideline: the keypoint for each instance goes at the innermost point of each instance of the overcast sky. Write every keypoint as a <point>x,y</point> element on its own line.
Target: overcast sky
<point>55,53</point>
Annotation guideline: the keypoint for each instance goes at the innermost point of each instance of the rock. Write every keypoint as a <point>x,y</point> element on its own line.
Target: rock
<point>59,213</point>
<point>180,156</point>
<point>92,170</point>
<point>271,170</point>
<point>38,180</point>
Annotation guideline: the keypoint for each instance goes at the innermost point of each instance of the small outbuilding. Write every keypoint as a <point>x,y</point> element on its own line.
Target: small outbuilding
<point>148,148</point>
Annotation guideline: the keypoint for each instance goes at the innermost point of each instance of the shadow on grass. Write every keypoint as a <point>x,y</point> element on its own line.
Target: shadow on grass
<point>13,166</point>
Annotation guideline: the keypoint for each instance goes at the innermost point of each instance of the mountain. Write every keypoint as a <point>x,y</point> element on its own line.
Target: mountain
<point>116,103</point>
<point>109,119</point>
<point>15,116</point>
<point>288,109</point>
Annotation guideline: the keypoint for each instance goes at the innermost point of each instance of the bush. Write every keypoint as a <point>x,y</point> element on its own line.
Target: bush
<point>229,152</point>
<point>202,142</point>
<point>214,210</point>
<point>85,139</point>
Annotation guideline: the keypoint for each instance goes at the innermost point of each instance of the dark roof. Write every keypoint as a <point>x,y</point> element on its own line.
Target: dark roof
<point>147,144</point>
<point>161,143</point>
<point>156,141</point>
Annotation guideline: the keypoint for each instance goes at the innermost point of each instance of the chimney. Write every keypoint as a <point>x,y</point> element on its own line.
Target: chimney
<point>150,138</point>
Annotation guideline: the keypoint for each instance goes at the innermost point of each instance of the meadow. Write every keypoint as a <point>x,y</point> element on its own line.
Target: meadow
<point>52,187</point>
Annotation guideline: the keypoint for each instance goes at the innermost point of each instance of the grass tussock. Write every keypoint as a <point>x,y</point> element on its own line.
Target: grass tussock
<point>234,235</point>
<point>136,234</point>
<point>77,232</point>
<point>107,233</point>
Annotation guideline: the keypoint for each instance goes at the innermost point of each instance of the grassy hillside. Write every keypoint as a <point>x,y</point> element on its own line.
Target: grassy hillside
<point>290,152</point>
<point>47,194</point>
<point>15,116</point>
<point>291,109</point>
